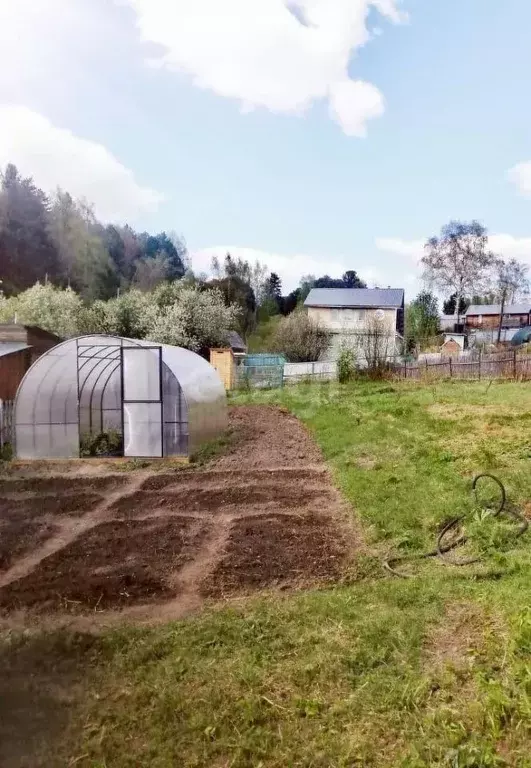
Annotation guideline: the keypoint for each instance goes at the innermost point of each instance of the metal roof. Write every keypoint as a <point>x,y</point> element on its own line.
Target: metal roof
<point>235,340</point>
<point>9,347</point>
<point>494,309</point>
<point>34,328</point>
<point>355,297</point>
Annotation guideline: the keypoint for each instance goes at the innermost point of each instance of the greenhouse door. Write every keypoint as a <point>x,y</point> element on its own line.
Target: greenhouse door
<point>142,401</point>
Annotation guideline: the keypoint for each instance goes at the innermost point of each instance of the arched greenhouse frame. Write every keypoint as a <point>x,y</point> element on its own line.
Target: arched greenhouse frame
<point>159,400</point>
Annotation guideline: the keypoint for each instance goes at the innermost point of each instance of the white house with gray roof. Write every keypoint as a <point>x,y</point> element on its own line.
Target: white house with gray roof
<point>352,314</point>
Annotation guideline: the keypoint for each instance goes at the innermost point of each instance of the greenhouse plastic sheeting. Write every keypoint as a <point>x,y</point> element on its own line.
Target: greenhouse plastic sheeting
<point>164,400</point>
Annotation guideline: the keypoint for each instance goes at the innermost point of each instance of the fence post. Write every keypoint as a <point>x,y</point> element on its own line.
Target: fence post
<point>514,363</point>
<point>479,369</point>
<point>405,369</point>
<point>450,361</point>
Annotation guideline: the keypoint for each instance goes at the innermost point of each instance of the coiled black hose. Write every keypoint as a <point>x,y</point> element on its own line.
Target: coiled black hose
<point>443,549</point>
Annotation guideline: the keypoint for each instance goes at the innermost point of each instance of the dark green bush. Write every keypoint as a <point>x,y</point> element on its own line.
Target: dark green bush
<point>108,443</point>
<point>6,452</point>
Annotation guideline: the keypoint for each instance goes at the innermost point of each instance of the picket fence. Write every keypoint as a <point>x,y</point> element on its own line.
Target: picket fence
<point>509,364</point>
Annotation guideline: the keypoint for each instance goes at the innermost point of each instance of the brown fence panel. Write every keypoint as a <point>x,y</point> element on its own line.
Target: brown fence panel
<point>523,370</point>
<point>500,365</point>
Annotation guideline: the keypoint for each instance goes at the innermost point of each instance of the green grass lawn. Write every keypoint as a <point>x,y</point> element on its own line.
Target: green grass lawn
<point>378,671</point>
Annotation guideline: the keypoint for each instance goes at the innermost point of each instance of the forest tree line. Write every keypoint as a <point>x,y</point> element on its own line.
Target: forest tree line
<point>57,241</point>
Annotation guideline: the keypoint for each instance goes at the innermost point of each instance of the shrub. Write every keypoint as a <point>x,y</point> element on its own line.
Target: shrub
<point>346,364</point>
<point>300,339</point>
<point>101,444</point>
<point>377,347</point>
<point>6,452</point>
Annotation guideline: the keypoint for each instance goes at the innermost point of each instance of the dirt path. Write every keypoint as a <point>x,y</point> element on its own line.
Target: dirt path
<point>157,545</point>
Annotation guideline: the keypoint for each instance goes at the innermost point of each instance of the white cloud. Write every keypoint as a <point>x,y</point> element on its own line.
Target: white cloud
<point>56,157</point>
<point>352,103</point>
<point>511,247</point>
<point>505,245</point>
<point>411,249</point>
<point>520,175</point>
<point>43,41</point>
<point>280,54</point>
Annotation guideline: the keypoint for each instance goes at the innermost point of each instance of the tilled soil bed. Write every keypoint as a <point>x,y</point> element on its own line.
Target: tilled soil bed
<point>213,478</point>
<point>282,491</point>
<point>68,484</point>
<point>277,550</point>
<point>19,537</point>
<point>113,565</point>
<point>22,509</point>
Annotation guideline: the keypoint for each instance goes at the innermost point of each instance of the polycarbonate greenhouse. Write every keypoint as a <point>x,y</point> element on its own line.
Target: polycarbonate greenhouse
<point>154,400</point>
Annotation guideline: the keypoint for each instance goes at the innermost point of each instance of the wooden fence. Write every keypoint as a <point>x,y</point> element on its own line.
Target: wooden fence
<point>7,422</point>
<point>504,365</point>
<point>508,364</point>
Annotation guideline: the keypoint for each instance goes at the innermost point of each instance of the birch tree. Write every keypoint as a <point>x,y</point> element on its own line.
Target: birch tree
<point>458,260</point>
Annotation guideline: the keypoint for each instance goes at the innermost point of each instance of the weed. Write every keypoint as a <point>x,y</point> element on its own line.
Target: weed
<point>211,449</point>
<point>6,452</point>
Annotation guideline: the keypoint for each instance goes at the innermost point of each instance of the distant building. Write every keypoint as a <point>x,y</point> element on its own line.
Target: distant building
<point>447,322</point>
<point>20,346</point>
<point>236,343</point>
<point>483,320</point>
<point>454,344</point>
<point>484,316</point>
<point>350,314</point>
<point>490,336</point>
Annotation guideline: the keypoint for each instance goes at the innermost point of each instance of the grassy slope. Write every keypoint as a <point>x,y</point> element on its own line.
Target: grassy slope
<point>260,339</point>
<point>433,671</point>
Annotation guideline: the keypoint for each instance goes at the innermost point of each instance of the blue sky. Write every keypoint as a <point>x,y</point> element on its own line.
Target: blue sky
<point>339,143</point>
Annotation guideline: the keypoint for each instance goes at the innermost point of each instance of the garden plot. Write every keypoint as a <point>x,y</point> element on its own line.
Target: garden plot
<point>264,514</point>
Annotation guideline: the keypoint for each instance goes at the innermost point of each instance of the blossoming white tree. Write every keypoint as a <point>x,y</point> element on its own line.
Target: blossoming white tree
<point>53,309</point>
<point>176,313</point>
<point>195,320</point>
